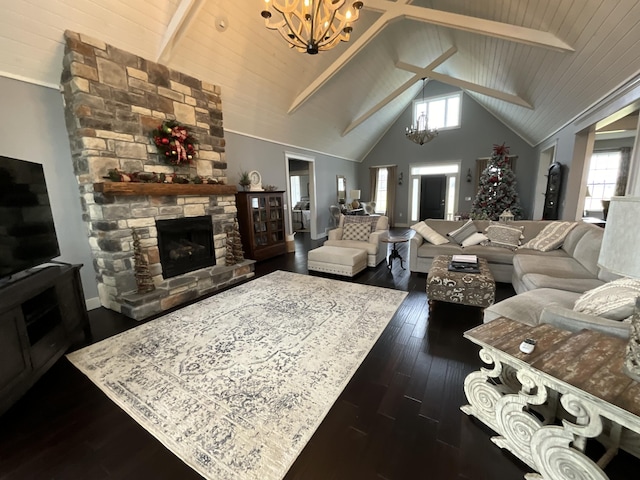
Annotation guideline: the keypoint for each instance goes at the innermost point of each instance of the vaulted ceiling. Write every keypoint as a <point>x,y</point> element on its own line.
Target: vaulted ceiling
<point>534,64</point>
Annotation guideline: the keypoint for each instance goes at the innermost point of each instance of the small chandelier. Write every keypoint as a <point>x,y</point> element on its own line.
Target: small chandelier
<point>420,133</point>
<point>312,25</point>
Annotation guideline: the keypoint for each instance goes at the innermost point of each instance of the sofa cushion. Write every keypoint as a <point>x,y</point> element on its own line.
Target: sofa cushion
<point>429,234</point>
<point>551,237</point>
<point>460,234</point>
<point>587,249</point>
<point>475,239</point>
<point>527,307</point>
<point>372,221</point>
<point>504,236</point>
<point>614,300</point>
<point>371,248</point>
<point>492,254</point>
<point>431,251</point>
<point>531,281</point>
<point>552,265</point>
<point>356,231</point>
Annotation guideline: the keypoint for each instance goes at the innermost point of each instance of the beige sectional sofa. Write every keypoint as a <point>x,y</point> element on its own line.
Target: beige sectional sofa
<point>547,283</point>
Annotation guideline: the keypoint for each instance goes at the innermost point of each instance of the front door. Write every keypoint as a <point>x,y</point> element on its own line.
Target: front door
<point>433,189</point>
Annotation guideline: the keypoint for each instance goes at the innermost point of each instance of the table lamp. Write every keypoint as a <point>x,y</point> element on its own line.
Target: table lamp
<point>619,255</point>
<point>355,195</point>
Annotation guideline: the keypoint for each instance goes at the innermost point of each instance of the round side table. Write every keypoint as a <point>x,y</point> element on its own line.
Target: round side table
<point>394,250</point>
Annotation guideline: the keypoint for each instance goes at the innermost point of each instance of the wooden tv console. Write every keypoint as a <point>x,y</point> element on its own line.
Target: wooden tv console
<point>41,316</point>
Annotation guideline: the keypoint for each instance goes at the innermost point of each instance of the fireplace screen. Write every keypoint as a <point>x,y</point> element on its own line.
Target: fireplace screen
<point>185,244</point>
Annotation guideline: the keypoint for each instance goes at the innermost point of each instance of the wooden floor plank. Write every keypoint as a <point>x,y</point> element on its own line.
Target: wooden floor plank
<point>397,419</point>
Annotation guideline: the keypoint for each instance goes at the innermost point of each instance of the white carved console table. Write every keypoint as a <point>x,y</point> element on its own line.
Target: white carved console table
<point>545,405</point>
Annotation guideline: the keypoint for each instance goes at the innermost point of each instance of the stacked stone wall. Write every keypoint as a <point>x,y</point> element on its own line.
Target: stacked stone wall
<point>113,100</point>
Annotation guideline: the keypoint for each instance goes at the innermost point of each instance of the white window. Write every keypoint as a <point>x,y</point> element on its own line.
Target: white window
<point>442,112</point>
<point>295,189</point>
<point>601,182</point>
<point>381,191</point>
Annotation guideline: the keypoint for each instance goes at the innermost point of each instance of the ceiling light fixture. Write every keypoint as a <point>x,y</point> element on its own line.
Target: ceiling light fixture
<point>420,132</point>
<point>312,25</point>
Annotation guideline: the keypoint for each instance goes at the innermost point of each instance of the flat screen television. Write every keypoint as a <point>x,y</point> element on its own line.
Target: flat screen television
<point>27,233</point>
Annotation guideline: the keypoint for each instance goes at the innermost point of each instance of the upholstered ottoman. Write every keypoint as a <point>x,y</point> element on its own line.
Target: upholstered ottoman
<point>337,260</point>
<point>474,289</point>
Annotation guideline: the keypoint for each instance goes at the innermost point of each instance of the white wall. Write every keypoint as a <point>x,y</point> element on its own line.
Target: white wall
<point>33,129</point>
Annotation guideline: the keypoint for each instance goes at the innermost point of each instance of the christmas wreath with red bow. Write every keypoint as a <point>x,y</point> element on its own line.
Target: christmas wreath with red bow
<point>175,143</point>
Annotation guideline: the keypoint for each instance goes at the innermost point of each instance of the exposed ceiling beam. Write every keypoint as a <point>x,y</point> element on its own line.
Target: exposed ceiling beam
<point>392,11</point>
<point>400,90</point>
<point>426,72</point>
<point>185,14</point>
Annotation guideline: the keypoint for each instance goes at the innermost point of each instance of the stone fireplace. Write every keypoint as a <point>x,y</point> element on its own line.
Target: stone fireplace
<point>113,100</point>
<point>185,244</point>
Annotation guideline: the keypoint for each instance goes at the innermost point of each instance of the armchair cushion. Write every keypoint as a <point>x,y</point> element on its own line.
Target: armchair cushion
<point>356,231</point>
<point>371,221</point>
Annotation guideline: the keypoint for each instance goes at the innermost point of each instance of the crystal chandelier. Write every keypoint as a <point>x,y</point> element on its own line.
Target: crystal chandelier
<point>312,25</point>
<point>420,132</point>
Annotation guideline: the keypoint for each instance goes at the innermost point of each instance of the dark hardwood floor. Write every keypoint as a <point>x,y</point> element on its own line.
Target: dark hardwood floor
<point>399,417</point>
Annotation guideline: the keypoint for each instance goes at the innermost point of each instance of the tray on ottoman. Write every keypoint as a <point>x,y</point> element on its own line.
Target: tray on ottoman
<point>337,260</point>
<point>474,289</point>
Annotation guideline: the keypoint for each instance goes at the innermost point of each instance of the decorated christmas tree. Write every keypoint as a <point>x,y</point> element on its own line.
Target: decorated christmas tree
<point>141,266</point>
<point>497,190</point>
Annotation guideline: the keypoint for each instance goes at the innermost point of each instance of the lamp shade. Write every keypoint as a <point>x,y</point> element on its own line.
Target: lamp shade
<point>355,194</point>
<point>619,251</point>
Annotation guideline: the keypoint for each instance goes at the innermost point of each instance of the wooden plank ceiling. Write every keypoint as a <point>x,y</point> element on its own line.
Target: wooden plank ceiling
<point>534,64</point>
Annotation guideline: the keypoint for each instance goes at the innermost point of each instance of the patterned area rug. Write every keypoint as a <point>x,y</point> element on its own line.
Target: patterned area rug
<point>236,384</point>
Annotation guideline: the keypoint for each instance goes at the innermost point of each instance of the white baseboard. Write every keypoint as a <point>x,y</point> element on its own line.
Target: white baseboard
<point>92,303</point>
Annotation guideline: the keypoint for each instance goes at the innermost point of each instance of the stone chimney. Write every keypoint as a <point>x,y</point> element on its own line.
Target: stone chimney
<point>113,100</point>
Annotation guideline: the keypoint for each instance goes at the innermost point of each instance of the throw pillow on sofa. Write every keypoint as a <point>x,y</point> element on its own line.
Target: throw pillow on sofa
<point>465,231</point>
<point>614,300</point>
<point>504,236</point>
<point>429,234</point>
<point>370,220</point>
<point>550,237</point>
<point>356,231</point>
<point>475,239</point>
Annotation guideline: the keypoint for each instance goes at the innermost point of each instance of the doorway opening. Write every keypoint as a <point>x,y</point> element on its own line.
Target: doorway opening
<point>547,157</point>
<point>301,191</point>
<point>433,190</point>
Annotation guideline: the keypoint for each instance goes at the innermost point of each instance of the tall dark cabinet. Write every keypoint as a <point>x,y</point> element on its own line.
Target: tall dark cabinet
<point>552,194</point>
<point>261,221</point>
<point>41,316</point>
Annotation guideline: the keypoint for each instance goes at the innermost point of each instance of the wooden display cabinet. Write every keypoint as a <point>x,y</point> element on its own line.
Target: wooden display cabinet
<point>261,221</point>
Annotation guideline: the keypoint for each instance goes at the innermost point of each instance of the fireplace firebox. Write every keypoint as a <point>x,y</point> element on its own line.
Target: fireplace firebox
<point>185,244</point>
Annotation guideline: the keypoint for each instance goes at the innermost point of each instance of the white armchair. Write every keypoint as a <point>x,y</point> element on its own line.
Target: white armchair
<point>376,250</point>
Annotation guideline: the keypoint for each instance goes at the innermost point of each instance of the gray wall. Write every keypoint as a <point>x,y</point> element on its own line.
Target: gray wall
<point>248,153</point>
<point>479,131</point>
<point>33,129</point>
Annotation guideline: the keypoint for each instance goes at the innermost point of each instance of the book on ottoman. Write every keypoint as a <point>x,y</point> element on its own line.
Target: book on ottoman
<point>464,264</point>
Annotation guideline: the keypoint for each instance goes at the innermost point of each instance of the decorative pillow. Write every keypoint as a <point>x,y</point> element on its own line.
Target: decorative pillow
<point>474,239</point>
<point>356,231</point>
<point>370,220</point>
<point>463,232</point>
<point>429,234</point>
<point>614,300</point>
<point>504,236</point>
<point>551,237</point>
